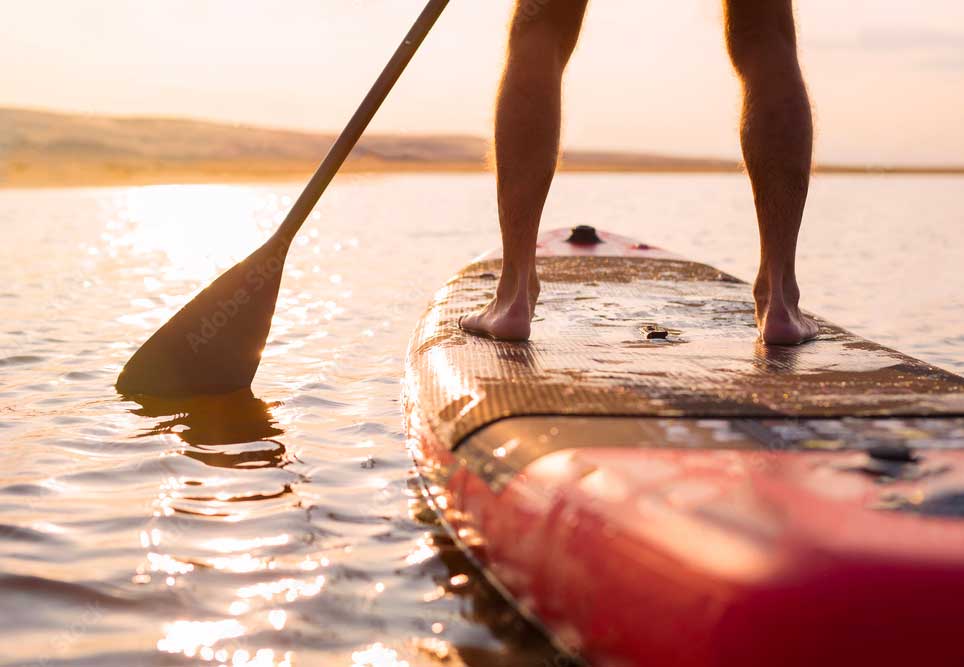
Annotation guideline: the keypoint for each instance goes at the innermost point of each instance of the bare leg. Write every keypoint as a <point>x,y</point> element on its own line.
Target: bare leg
<point>527,126</point>
<point>777,137</point>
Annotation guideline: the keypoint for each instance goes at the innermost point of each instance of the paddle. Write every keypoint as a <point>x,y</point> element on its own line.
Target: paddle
<point>213,344</point>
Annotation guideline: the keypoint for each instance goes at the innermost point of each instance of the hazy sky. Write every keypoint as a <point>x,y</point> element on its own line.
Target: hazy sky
<point>886,76</point>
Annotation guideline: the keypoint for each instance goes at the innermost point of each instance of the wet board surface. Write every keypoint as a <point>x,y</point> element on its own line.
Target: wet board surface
<point>594,352</point>
<point>655,486</point>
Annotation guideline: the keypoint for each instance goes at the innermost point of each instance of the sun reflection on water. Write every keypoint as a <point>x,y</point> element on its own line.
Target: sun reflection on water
<point>232,545</point>
<point>189,637</point>
<point>422,552</point>
<point>200,639</point>
<point>240,564</point>
<point>291,589</point>
<point>377,655</point>
<point>199,228</point>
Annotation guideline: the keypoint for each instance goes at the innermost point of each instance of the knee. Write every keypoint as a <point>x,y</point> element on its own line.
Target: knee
<point>760,37</point>
<point>546,27</point>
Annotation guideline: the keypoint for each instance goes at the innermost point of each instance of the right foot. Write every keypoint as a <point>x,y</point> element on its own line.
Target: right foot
<point>786,327</point>
<point>778,317</point>
<point>509,315</point>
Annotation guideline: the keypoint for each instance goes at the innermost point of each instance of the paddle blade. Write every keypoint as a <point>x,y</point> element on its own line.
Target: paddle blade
<point>212,345</point>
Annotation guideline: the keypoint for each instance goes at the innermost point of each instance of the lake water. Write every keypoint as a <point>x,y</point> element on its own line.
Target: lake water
<point>283,528</point>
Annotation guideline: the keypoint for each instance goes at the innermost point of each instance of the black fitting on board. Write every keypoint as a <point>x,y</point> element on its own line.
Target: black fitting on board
<point>583,235</point>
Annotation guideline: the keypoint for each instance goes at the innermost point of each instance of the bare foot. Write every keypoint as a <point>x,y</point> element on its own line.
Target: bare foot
<point>509,315</point>
<point>786,327</point>
<point>778,317</point>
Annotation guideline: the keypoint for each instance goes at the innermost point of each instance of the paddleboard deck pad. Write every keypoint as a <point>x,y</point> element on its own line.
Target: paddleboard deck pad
<point>655,486</point>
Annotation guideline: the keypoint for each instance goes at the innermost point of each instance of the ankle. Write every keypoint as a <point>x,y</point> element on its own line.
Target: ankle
<point>515,282</point>
<point>777,289</point>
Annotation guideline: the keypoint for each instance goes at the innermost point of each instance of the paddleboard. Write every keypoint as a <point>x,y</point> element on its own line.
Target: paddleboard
<point>654,486</point>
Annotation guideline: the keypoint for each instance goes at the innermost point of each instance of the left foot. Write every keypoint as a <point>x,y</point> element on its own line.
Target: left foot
<point>509,315</point>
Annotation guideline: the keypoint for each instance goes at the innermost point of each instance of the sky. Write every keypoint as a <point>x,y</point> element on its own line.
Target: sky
<point>886,77</point>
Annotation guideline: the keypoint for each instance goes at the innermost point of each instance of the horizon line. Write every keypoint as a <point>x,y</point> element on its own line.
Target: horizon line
<point>601,155</point>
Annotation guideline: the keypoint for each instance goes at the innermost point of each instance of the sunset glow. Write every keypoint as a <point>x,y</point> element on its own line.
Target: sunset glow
<point>886,81</point>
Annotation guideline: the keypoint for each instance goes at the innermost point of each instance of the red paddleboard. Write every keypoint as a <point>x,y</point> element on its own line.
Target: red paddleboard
<point>656,487</point>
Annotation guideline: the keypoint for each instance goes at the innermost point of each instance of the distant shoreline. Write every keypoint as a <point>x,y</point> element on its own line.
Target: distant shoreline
<point>43,149</point>
<point>87,175</point>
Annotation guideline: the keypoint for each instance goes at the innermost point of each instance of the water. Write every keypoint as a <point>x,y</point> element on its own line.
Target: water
<point>282,528</point>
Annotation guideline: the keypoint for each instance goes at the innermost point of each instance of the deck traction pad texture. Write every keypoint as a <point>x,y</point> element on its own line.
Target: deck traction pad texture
<point>590,354</point>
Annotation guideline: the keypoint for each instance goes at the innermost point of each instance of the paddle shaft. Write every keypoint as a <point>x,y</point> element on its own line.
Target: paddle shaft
<point>360,120</point>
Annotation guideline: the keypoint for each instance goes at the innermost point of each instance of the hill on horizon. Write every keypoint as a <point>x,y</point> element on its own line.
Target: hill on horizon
<point>48,148</point>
